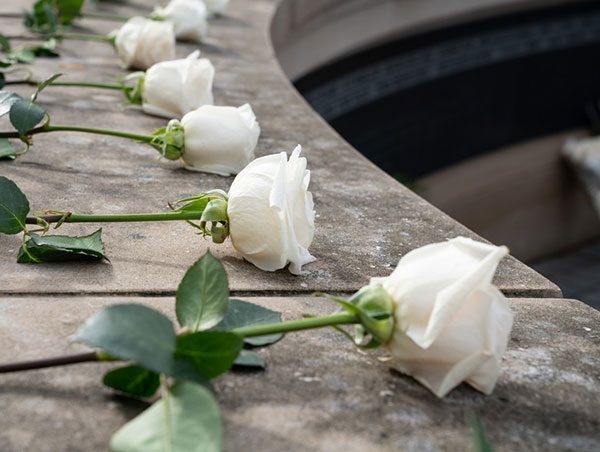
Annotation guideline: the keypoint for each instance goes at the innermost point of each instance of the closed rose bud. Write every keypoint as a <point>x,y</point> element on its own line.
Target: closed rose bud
<point>219,139</point>
<point>270,210</point>
<point>451,323</point>
<point>173,88</point>
<point>142,42</point>
<point>187,16</point>
<point>215,6</point>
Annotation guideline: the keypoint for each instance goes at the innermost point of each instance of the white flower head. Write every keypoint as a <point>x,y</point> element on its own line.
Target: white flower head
<point>271,212</point>
<point>215,6</point>
<point>173,88</point>
<point>142,42</point>
<point>451,323</point>
<point>189,18</point>
<point>220,139</point>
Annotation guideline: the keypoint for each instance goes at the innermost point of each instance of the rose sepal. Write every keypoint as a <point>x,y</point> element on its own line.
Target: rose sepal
<point>170,140</point>
<point>373,309</point>
<point>376,311</point>
<point>214,220</point>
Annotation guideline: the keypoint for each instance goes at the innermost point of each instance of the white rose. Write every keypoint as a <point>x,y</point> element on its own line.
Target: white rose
<point>216,6</point>
<point>451,323</point>
<point>141,42</point>
<point>270,210</point>
<point>187,16</point>
<point>173,88</point>
<point>219,140</point>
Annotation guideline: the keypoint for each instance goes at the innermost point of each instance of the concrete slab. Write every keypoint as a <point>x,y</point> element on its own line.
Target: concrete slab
<point>318,392</point>
<point>366,220</point>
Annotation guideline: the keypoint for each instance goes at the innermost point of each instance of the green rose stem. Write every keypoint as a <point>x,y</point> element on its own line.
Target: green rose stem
<point>80,84</point>
<point>115,218</point>
<point>168,141</point>
<point>340,318</point>
<point>68,128</point>
<point>46,128</point>
<point>62,36</point>
<point>98,16</point>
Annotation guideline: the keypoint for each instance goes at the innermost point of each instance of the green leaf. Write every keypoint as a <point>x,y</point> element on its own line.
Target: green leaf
<point>7,99</point>
<point>42,19</point>
<point>14,207</point>
<point>133,380</point>
<point>25,115</point>
<point>188,419</point>
<point>60,248</point>
<point>241,313</point>
<point>7,150</point>
<point>23,55</point>
<point>43,85</point>
<point>248,358</point>
<point>4,44</point>
<point>132,332</point>
<point>203,294</point>
<point>185,370</point>
<point>210,352</point>
<point>68,10</point>
<point>481,442</point>
<point>45,49</point>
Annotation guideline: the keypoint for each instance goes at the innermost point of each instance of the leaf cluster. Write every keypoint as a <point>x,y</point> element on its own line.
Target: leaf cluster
<point>51,16</point>
<point>25,53</point>
<point>24,115</point>
<point>181,364</point>
<point>14,211</point>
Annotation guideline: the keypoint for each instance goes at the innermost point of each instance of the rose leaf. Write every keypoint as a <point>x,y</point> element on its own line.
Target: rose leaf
<point>132,332</point>
<point>60,248</point>
<point>186,419</point>
<point>248,358</point>
<point>242,313</point>
<point>14,207</point>
<point>25,115</point>
<point>212,353</point>
<point>7,99</point>
<point>133,380</point>
<point>203,294</point>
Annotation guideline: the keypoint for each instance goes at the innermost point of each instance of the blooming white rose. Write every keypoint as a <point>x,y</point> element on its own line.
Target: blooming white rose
<point>219,139</point>
<point>173,88</point>
<point>216,6</point>
<point>270,210</point>
<point>187,16</point>
<point>141,42</point>
<point>451,323</point>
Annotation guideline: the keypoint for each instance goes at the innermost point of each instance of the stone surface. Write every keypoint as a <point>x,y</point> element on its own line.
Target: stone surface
<point>365,220</point>
<point>318,391</point>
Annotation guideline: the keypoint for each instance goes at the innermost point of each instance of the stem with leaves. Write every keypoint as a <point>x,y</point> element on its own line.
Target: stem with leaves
<point>78,84</point>
<point>336,319</point>
<point>213,331</point>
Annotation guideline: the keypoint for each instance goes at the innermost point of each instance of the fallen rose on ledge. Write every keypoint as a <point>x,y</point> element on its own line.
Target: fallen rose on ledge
<point>438,314</point>
<point>451,323</point>
<point>213,139</point>
<point>168,89</point>
<point>268,214</point>
<point>189,18</point>
<point>141,42</point>
<point>219,139</point>
<point>173,88</point>
<point>215,7</point>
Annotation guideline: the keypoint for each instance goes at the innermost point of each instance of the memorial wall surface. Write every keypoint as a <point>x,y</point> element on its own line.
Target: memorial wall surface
<point>318,391</point>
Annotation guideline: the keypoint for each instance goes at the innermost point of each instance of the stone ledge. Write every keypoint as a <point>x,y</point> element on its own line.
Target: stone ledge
<point>365,219</point>
<point>318,392</point>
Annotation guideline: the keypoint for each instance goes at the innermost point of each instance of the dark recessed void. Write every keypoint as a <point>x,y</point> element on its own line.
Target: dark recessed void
<point>423,103</point>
